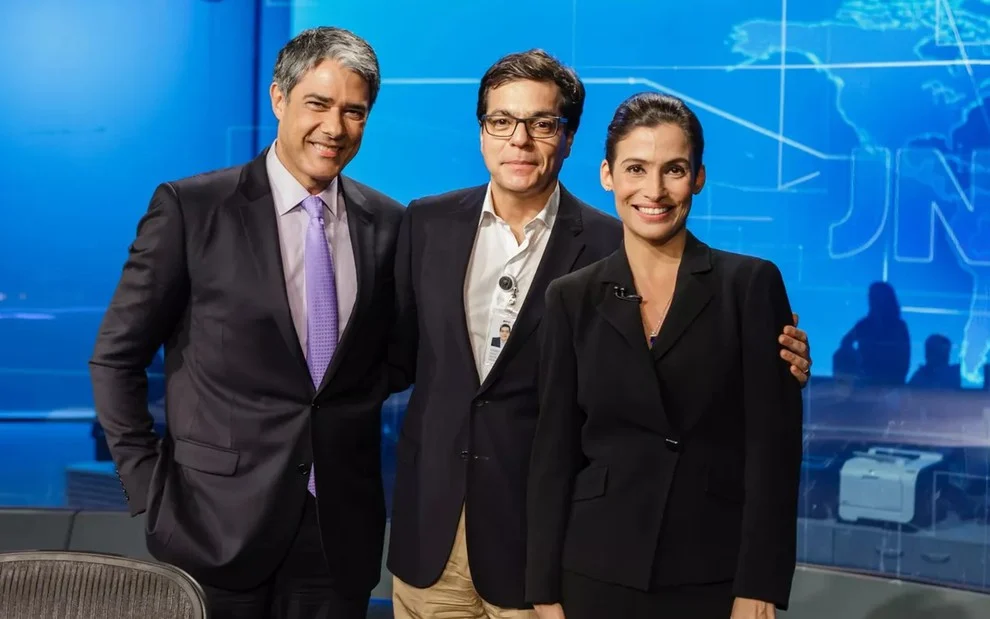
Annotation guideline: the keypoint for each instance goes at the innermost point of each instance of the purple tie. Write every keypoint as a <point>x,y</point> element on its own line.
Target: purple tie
<point>321,299</point>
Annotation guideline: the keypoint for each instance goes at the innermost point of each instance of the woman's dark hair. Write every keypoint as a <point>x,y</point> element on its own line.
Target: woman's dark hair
<point>651,109</point>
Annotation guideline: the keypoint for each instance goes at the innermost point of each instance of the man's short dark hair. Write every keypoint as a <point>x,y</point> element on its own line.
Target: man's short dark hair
<point>538,66</point>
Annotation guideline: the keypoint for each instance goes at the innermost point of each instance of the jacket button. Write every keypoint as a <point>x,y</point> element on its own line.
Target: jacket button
<point>672,445</point>
<point>465,454</point>
<point>303,468</point>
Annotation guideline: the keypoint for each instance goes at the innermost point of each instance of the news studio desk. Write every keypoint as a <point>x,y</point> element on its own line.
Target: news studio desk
<point>950,547</point>
<point>952,555</point>
<point>950,551</point>
<point>946,498</point>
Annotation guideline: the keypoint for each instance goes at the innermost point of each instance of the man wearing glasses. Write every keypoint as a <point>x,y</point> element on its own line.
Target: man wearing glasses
<point>471,265</point>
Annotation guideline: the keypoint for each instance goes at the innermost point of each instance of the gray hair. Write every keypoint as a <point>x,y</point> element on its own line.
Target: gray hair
<point>310,47</point>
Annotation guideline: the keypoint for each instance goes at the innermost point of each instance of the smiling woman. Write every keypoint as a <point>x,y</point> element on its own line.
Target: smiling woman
<point>666,484</point>
<point>659,169</point>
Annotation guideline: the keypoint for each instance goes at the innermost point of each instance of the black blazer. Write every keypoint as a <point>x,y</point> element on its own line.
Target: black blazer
<point>674,465</point>
<point>224,490</point>
<point>465,443</point>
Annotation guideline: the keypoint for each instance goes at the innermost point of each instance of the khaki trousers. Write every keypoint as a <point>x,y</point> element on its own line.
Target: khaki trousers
<point>453,596</point>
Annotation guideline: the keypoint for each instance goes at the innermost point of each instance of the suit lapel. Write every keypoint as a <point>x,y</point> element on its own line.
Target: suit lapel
<point>258,217</point>
<point>361,228</point>
<point>624,316</point>
<point>461,230</point>
<point>563,248</point>
<point>622,313</point>
<point>692,292</point>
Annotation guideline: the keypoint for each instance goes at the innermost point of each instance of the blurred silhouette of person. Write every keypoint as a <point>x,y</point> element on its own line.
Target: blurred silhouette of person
<point>846,363</point>
<point>877,350</point>
<point>937,373</point>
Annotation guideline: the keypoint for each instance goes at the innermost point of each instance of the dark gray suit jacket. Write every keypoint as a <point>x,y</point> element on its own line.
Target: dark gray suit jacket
<point>224,490</point>
<point>463,441</point>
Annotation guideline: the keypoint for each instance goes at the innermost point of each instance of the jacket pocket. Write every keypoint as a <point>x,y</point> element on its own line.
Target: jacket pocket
<point>205,458</point>
<point>590,483</point>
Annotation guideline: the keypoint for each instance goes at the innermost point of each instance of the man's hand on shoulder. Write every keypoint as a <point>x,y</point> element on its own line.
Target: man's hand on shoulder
<point>797,351</point>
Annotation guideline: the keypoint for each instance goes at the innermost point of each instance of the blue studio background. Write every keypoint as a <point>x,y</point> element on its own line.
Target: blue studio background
<point>847,141</point>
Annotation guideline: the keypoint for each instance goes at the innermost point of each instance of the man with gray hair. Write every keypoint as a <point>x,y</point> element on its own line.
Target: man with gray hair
<point>270,287</point>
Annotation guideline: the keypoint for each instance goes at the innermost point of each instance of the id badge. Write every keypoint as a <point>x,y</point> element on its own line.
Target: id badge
<point>499,330</point>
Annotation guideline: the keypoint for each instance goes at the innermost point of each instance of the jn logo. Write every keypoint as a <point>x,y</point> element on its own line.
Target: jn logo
<point>922,194</point>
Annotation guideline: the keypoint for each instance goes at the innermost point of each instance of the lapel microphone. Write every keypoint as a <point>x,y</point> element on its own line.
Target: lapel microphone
<point>620,293</point>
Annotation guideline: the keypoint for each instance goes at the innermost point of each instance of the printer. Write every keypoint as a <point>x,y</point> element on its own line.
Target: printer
<point>889,485</point>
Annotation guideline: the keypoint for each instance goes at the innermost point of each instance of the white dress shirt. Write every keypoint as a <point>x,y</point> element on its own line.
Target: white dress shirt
<point>293,220</point>
<point>496,253</point>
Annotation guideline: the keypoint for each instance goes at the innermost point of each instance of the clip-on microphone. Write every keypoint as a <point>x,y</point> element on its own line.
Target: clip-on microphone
<point>620,293</point>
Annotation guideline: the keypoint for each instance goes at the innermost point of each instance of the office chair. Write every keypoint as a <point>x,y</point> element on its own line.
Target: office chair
<point>83,585</point>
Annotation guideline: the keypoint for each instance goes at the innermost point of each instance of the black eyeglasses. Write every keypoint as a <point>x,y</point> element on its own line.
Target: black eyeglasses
<point>538,127</point>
